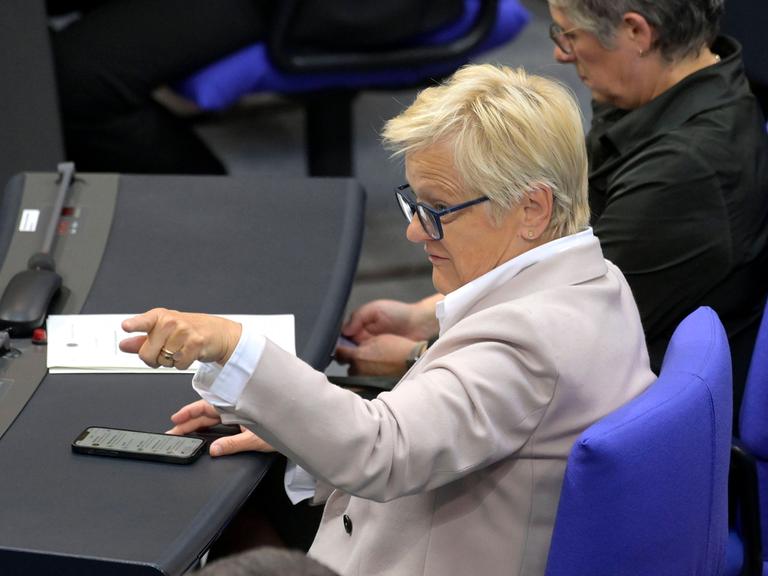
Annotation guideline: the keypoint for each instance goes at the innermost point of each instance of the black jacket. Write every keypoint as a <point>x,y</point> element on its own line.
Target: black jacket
<point>679,196</point>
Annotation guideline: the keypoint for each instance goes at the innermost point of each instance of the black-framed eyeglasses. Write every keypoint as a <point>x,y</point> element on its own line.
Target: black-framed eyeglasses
<point>428,216</point>
<point>560,37</point>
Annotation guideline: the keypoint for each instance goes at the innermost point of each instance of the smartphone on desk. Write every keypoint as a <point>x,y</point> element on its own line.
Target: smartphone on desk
<point>119,443</point>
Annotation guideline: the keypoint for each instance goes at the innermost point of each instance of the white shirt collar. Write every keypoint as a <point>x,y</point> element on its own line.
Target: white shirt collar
<point>455,305</point>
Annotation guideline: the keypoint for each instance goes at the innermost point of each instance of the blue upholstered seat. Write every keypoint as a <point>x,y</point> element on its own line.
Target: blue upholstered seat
<point>328,81</point>
<point>749,538</point>
<point>645,489</point>
<point>250,70</point>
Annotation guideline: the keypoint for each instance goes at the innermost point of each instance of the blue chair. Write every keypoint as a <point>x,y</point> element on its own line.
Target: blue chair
<point>327,82</point>
<point>749,490</point>
<point>645,488</point>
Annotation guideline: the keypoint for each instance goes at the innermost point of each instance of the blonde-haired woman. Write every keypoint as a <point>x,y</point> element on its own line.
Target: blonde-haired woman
<point>678,181</point>
<point>458,469</point>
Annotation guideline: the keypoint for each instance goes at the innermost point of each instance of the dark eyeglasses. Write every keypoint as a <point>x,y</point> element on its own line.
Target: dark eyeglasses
<point>560,37</point>
<point>428,216</point>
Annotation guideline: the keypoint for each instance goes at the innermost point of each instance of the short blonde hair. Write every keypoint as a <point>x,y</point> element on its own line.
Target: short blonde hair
<point>510,132</point>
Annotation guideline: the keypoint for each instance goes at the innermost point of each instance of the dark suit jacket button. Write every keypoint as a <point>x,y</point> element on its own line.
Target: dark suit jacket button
<point>347,524</point>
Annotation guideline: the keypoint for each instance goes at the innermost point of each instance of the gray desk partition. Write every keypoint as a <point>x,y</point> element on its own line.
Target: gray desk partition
<point>29,110</point>
<point>227,245</point>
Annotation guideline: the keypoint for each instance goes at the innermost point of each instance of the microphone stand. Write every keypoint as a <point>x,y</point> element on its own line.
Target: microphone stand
<point>25,301</point>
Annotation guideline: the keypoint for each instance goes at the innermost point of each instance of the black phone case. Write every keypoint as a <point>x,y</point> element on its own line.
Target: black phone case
<point>92,451</point>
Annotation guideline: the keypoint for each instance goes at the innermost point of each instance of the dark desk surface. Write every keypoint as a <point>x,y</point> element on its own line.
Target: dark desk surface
<point>68,513</point>
<point>216,245</point>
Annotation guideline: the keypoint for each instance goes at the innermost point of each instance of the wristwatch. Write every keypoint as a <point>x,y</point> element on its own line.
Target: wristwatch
<point>416,353</point>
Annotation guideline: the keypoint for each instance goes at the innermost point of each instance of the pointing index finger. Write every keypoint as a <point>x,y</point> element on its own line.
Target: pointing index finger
<point>141,323</point>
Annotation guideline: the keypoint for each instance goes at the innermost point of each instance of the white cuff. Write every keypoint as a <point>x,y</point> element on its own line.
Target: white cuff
<point>223,385</point>
<point>299,484</point>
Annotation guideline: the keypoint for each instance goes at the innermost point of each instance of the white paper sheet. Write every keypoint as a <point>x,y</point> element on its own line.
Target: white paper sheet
<point>89,343</point>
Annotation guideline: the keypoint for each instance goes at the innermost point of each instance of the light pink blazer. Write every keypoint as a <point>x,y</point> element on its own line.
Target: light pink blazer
<point>458,470</point>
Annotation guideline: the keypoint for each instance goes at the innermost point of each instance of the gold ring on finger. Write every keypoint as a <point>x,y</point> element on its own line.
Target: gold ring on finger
<point>167,354</point>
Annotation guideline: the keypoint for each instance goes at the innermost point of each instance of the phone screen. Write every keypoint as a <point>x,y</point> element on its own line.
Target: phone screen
<point>134,444</point>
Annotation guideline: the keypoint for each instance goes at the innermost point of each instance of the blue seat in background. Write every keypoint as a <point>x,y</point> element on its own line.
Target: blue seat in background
<point>328,81</point>
<point>749,491</point>
<point>645,488</point>
<point>754,424</point>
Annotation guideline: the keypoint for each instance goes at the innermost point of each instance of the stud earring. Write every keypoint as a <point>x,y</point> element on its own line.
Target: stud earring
<point>530,234</point>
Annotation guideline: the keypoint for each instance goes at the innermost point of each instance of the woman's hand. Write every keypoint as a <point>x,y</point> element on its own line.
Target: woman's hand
<point>176,339</point>
<point>200,415</point>
<point>414,321</point>
<point>383,355</point>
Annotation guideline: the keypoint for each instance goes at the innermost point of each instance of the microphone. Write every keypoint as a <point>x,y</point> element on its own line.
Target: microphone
<point>25,301</point>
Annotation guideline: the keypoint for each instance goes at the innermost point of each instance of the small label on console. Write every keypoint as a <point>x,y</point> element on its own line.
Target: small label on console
<point>29,219</point>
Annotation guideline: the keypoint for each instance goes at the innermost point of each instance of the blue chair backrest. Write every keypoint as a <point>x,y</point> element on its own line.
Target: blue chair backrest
<point>753,420</point>
<point>250,70</point>
<point>645,488</point>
